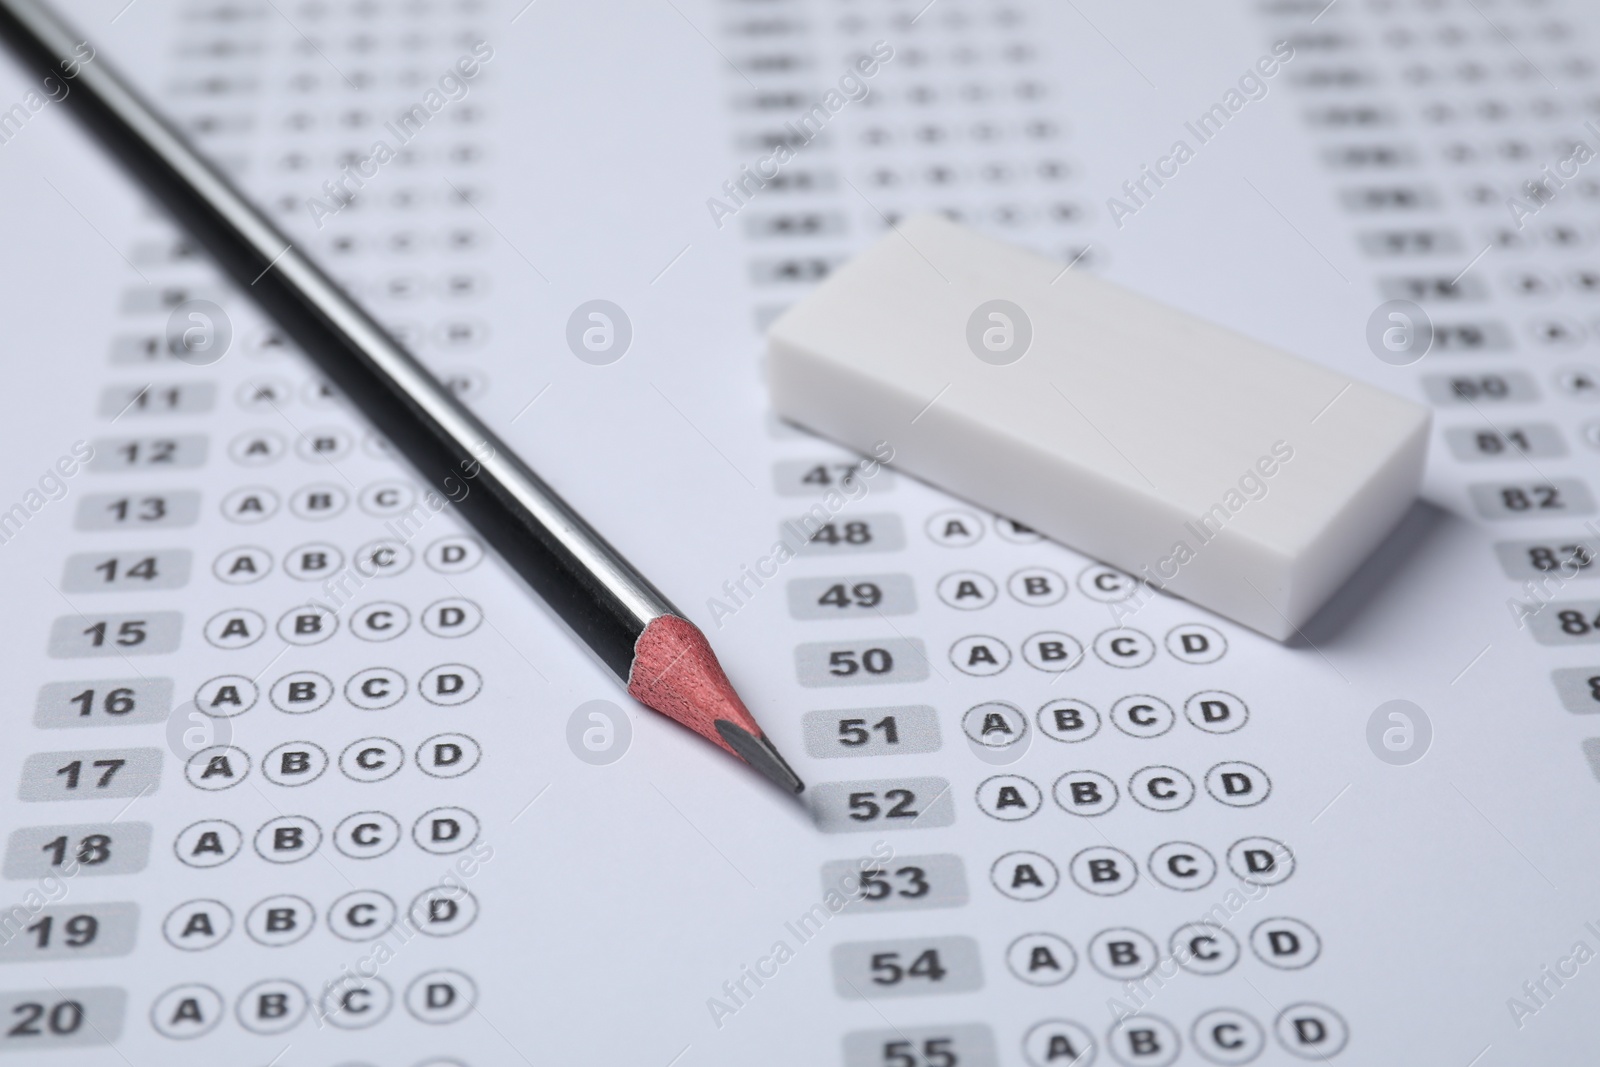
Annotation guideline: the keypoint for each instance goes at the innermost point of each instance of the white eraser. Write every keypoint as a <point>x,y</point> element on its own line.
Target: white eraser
<point>1220,469</point>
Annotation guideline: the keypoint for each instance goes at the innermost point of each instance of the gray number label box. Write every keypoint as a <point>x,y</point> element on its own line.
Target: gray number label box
<point>903,883</point>
<point>882,804</point>
<point>56,1018</point>
<point>842,534</point>
<point>868,970</point>
<point>171,398</point>
<point>89,848</point>
<point>73,932</point>
<point>1578,688</point>
<point>113,702</point>
<point>1580,626</point>
<point>1557,559</point>
<point>136,633</point>
<point>799,477</point>
<point>157,510</point>
<point>894,731</point>
<point>178,452</point>
<point>1485,335</point>
<point>782,224</point>
<point>1478,387</point>
<point>967,1044</point>
<point>820,664</point>
<point>1388,244</point>
<point>1555,499</point>
<point>852,596</point>
<point>106,572</point>
<point>139,348</point>
<point>153,299</point>
<point>1475,444</point>
<point>97,774</point>
<point>1391,198</point>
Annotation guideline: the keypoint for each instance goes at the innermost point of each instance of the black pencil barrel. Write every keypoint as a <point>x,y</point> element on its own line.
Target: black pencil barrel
<point>583,579</point>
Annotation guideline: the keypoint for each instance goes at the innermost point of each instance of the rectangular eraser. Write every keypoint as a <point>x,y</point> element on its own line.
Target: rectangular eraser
<point>1220,469</point>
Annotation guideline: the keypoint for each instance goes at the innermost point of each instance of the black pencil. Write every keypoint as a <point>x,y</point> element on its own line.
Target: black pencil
<point>664,660</point>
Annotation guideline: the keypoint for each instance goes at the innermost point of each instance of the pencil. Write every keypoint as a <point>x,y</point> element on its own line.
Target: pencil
<point>663,659</point>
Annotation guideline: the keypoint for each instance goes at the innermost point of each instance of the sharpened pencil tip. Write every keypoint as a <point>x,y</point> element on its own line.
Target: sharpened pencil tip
<point>760,753</point>
<point>676,673</point>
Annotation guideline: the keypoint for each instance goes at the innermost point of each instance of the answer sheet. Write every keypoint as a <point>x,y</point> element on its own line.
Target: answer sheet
<point>298,774</point>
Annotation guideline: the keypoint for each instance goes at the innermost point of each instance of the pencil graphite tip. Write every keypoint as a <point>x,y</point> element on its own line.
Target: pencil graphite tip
<point>758,751</point>
<point>676,673</point>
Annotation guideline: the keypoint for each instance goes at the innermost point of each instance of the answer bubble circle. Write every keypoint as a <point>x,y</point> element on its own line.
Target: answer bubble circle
<point>190,730</point>
<point>1399,332</point>
<point>599,732</point>
<point>1030,954</point>
<point>599,332</point>
<point>1399,732</point>
<point>180,924</point>
<point>199,332</point>
<point>995,724</point>
<point>207,1011</point>
<point>999,332</point>
<point>1042,1045</point>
